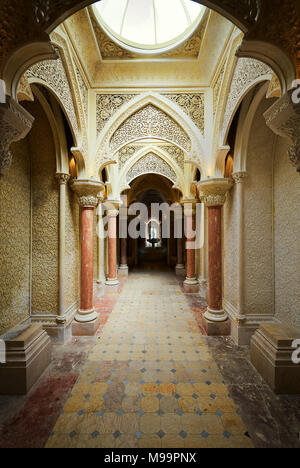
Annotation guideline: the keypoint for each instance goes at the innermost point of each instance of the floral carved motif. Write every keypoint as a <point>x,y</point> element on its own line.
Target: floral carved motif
<point>153,164</point>
<point>126,153</point>
<point>107,105</point>
<point>247,71</point>
<point>192,105</point>
<point>53,73</point>
<point>150,122</point>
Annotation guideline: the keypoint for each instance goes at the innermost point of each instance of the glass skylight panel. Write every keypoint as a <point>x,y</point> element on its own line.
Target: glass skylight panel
<point>112,13</point>
<point>149,25</point>
<point>171,20</point>
<point>139,26</point>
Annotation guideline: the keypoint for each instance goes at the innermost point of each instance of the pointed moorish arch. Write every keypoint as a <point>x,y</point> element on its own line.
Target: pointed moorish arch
<point>198,146</point>
<point>179,183</point>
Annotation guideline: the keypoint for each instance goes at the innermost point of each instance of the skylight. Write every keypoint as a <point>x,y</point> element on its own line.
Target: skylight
<point>149,25</point>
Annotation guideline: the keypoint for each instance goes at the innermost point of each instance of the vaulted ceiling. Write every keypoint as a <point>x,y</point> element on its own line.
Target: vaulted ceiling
<point>108,64</point>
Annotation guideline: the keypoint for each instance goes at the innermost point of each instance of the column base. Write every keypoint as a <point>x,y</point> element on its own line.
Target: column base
<point>180,270</point>
<point>216,328</point>
<point>215,315</point>
<point>112,282</point>
<point>85,328</point>
<point>85,316</point>
<point>191,286</point>
<point>123,270</point>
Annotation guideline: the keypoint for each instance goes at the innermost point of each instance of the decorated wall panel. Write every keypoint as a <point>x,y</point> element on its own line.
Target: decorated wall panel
<point>107,105</point>
<point>230,248</point>
<point>150,122</point>
<point>15,239</point>
<point>45,221</point>
<point>259,294</point>
<point>193,105</point>
<point>72,259</point>
<point>286,237</point>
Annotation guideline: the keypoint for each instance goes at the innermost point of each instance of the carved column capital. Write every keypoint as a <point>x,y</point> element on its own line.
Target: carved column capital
<point>212,192</point>
<point>284,119</point>
<point>15,123</point>
<point>63,178</point>
<point>239,177</point>
<point>87,192</point>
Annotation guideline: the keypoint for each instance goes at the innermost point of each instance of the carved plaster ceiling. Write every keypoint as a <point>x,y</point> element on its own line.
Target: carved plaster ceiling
<point>126,153</point>
<point>153,164</point>
<point>107,105</point>
<point>193,105</point>
<point>150,122</point>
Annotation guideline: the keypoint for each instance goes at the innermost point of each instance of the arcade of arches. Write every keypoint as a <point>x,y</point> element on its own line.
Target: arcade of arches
<point>114,341</point>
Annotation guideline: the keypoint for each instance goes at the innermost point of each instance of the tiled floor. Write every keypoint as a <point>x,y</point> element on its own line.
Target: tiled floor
<point>150,378</point>
<point>150,381</point>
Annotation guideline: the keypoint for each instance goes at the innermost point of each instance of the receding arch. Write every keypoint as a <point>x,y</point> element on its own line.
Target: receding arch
<point>104,153</point>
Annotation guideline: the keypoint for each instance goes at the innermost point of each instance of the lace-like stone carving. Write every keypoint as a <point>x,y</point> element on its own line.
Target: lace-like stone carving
<point>126,153</point>
<point>53,73</point>
<point>246,72</point>
<point>192,105</point>
<point>150,122</point>
<point>176,153</point>
<point>153,164</point>
<point>107,105</point>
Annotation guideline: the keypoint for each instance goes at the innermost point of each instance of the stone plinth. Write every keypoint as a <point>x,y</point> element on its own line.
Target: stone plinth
<point>216,328</point>
<point>271,355</point>
<point>28,355</point>
<point>85,328</point>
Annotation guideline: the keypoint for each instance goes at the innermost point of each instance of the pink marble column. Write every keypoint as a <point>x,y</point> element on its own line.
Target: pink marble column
<point>215,258</point>
<point>213,194</point>
<point>191,284</point>
<point>123,269</point>
<point>87,263</point>
<point>86,320</point>
<point>112,279</point>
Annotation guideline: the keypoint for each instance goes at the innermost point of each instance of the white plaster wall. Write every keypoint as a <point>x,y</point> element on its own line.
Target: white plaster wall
<point>259,290</point>
<point>286,237</point>
<point>230,266</point>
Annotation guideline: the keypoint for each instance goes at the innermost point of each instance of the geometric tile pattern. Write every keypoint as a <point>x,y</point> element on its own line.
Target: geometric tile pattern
<point>150,380</point>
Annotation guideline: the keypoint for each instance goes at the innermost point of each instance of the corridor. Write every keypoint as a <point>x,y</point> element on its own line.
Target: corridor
<point>151,380</point>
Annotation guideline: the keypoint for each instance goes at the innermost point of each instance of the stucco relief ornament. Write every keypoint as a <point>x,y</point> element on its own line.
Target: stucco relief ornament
<point>63,178</point>
<point>87,201</point>
<point>213,192</point>
<point>239,177</point>
<point>284,119</point>
<point>15,123</point>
